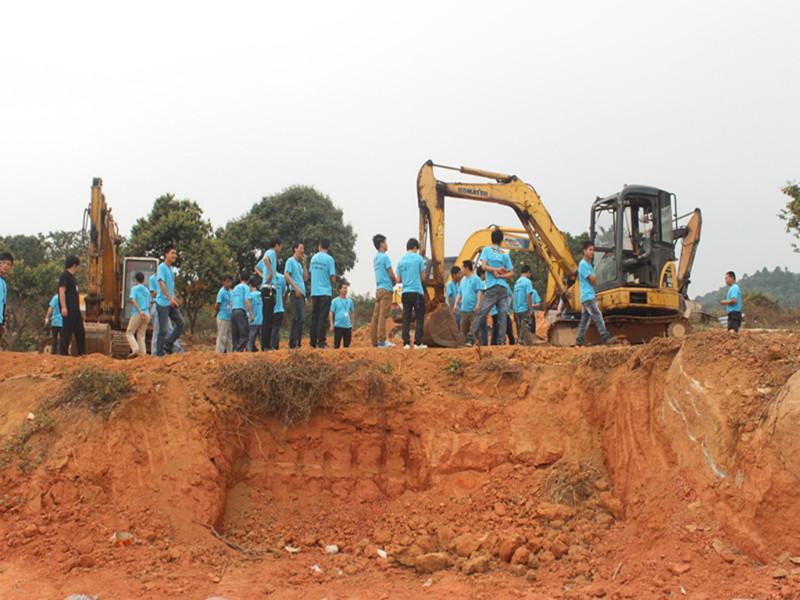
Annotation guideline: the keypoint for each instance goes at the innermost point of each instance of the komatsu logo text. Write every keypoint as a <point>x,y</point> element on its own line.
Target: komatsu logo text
<point>473,192</point>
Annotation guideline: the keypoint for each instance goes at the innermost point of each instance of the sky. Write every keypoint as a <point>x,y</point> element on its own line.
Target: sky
<point>225,103</point>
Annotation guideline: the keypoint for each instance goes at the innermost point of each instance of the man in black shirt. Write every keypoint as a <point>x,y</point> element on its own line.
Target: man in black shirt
<point>70,308</point>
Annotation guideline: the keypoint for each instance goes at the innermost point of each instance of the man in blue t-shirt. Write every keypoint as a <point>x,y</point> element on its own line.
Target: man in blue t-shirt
<point>267,268</point>
<point>54,321</point>
<point>256,313</point>
<point>6,263</point>
<point>733,302</point>
<point>277,317</point>
<point>526,300</point>
<point>467,299</point>
<point>241,312</point>
<point>323,277</point>
<point>167,303</point>
<point>384,284</point>
<point>591,312</point>
<point>222,312</point>
<point>140,317</point>
<point>451,293</point>
<point>409,273</point>
<point>498,268</point>
<point>296,276</point>
<point>342,318</point>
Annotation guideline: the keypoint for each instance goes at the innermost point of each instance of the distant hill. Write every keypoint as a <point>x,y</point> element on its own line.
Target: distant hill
<point>780,285</point>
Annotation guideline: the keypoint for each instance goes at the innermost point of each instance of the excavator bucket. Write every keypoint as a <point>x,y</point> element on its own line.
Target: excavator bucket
<point>441,329</point>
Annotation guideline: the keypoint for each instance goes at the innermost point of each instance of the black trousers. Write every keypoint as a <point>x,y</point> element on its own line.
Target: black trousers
<point>277,321</point>
<point>342,335</point>
<point>298,318</point>
<point>496,332</point>
<point>734,321</point>
<point>240,330</point>
<point>73,325</point>
<point>413,303</point>
<point>55,332</point>
<point>267,319</point>
<point>320,307</point>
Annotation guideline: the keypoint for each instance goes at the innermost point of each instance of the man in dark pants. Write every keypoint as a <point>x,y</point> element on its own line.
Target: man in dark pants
<point>409,270</point>
<point>6,264</point>
<point>733,302</point>
<point>296,277</point>
<point>266,268</point>
<point>166,303</point>
<point>242,313</point>
<point>70,309</point>
<point>323,277</point>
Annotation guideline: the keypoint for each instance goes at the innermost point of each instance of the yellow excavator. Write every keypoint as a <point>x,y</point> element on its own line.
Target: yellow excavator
<point>641,291</point>
<point>109,279</point>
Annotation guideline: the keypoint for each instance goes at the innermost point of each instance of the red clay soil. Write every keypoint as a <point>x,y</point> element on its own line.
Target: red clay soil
<point>661,471</point>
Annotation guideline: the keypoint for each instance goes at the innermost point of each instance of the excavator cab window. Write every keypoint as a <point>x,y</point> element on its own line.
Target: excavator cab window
<point>605,243</point>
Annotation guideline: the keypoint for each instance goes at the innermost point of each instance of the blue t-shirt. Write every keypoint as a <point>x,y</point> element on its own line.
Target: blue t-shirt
<point>451,293</point>
<point>257,306</point>
<point>152,283</point>
<point>322,269</point>
<point>56,320</point>
<point>587,289</point>
<point>734,293</point>
<point>341,309</point>
<point>141,294</point>
<point>493,256</point>
<point>382,264</point>
<point>468,288</point>
<point>272,257</point>
<point>280,290</point>
<point>167,275</point>
<point>522,288</point>
<point>3,299</point>
<point>238,296</point>
<point>294,269</point>
<point>410,269</point>
<point>224,300</point>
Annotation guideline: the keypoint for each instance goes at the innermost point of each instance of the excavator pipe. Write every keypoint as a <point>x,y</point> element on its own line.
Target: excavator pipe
<point>476,172</point>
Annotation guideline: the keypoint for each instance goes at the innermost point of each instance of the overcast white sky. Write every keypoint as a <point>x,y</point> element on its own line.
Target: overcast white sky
<point>226,102</point>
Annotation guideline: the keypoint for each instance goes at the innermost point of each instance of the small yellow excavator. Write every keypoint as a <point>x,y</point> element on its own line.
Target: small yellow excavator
<point>641,291</point>
<point>109,278</point>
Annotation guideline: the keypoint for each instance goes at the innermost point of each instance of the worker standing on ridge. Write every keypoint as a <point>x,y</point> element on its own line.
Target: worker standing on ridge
<point>6,264</point>
<point>70,308</point>
<point>466,304</point>
<point>152,284</point>
<point>296,276</point>
<point>54,321</point>
<point>266,269</point>
<point>733,302</point>
<point>222,313</point>
<point>409,270</point>
<point>451,292</point>
<point>323,277</point>
<point>384,284</point>
<point>256,311</point>
<point>342,317</point>
<point>587,280</point>
<point>497,265</point>
<point>277,316</point>
<point>140,317</point>
<point>526,300</point>
<point>241,314</point>
<point>167,304</point>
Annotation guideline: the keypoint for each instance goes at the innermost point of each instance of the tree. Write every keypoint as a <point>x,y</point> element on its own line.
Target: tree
<point>202,258</point>
<point>299,213</point>
<point>791,214</point>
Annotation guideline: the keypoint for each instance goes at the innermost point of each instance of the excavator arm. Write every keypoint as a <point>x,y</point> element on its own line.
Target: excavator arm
<point>508,190</point>
<point>689,244</point>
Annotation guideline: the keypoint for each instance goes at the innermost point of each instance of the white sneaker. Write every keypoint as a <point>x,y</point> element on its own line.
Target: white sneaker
<point>420,346</point>
<point>407,347</point>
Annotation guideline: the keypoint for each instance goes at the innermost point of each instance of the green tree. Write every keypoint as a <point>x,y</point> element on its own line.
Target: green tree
<point>202,258</point>
<point>299,213</point>
<point>791,213</point>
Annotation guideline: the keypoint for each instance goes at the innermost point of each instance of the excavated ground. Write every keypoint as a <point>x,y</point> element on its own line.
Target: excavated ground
<point>660,471</point>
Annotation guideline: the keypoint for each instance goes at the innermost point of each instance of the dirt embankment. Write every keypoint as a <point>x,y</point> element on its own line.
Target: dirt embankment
<point>630,472</point>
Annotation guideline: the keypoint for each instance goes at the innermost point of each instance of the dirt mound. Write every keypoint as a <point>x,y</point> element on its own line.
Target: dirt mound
<point>629,472</point>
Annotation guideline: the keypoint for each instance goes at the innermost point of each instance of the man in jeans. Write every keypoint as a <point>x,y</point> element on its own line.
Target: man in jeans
<point>152,283</point>
<point>323,276</point>
<point>526,300</point>
<point>498,268</point>
<point>587,280</point>
<point>296,277</point>
<point>222,312</point>
<point>409,271</point>
<point>266,268</point>
<point>384,283</point>
<point>733,302</point>
<point>167,303</point>
<point>71,309</point>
